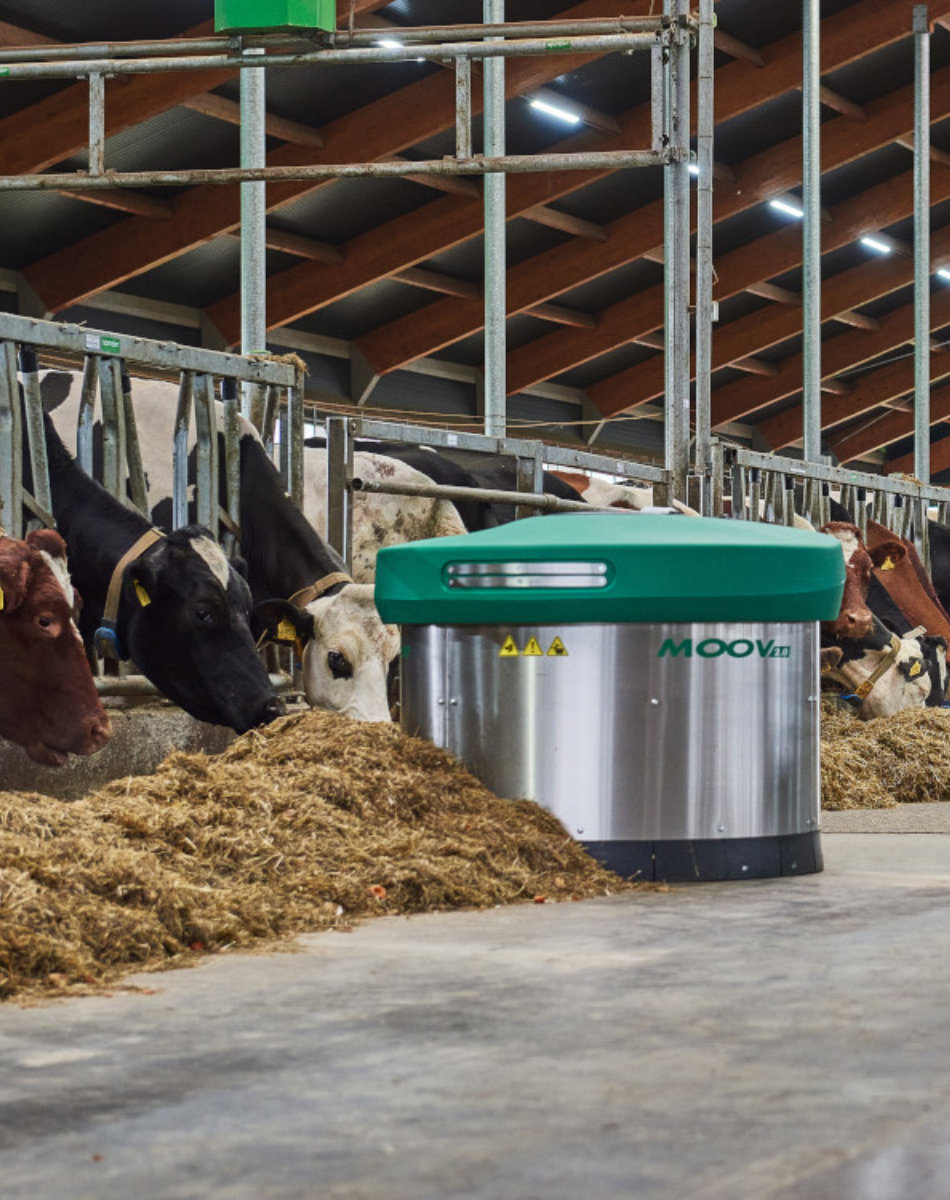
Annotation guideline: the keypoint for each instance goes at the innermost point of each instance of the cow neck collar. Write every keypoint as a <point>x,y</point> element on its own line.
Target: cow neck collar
<point>313,591</point>
<point>864,689</point>
<point>107,642</point>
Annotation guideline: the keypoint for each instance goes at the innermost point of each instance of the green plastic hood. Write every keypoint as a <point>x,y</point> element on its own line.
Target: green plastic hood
<point>606,567</point>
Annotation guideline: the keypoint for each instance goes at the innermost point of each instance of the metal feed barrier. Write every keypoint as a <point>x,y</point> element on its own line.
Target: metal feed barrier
<point>759,486</point>
<point>272,398</point>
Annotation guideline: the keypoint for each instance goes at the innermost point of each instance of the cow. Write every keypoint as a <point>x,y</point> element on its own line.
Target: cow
<point>48,699</point>
<point>883,667</point>
<point>883,672</point>
<point>379,518</point>
<point>180,611</point>
<point>345,650</point>
<point>603,493</point>
<point>854,619</point>
<point>475,514</point>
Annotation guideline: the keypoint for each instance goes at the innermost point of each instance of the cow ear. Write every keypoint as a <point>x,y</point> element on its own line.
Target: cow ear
<point>886,555</point>
<point>284,622</point>
<point>831,657</point>
<point>48,541</point>
<point>239,564</point>
<point>14,575</point>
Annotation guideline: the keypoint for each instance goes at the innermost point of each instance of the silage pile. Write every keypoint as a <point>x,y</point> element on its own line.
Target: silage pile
<point>311,823</point>
<point>888,761</point>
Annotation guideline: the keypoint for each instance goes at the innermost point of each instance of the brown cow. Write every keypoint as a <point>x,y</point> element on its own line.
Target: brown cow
<point>854,617</point>
<point>48,700</point>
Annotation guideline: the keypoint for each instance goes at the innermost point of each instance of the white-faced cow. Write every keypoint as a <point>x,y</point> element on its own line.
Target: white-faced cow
<point>182,610</point>
<point>48,699</point>
<point>294,576</point>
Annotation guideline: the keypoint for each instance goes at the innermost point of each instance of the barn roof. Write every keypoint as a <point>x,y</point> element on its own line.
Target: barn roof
<point>377,282</point>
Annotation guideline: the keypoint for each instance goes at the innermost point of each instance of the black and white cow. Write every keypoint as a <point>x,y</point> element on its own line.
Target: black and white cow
<point>346,650</point>
<point>884,672</point>
<point>184,610</point>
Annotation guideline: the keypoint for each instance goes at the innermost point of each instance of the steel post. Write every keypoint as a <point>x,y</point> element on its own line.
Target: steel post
<point>704,235</point>
<point>339,501</point>
<point>811,230</point>
<point>11,451</point>
<point>206,454</point>
<point>253,220</point>
<point>495,230</point>
<point>921,244</point>
<point>186,387</point>
<point>676,257</point>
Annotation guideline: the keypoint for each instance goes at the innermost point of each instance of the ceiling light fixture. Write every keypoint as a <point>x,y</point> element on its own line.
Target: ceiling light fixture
<point>789,207</point>
<point>877,246</point>
<point>694,168</point>
<point>943,272</point>
<point>553,111</point>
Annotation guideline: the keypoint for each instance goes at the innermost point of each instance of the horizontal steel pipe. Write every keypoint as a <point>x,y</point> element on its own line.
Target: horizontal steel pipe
<point>138,685</point>
<point>516,164</point>
<point>525,47</point>
<point>233,44</point>
<point>543,502</point>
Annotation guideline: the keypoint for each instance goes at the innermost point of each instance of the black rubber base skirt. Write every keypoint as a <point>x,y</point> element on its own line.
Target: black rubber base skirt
<point>712,858</point>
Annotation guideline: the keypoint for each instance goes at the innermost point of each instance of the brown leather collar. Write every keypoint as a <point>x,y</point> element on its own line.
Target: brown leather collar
<point>314,591</point>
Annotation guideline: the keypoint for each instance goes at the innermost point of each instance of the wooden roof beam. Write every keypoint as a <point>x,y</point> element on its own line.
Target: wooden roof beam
<point>558,314</point>
<point>735,49</point>
<point>125,200</point>
<point>303,247</point>
<point>939,451</point>
<point>435,281</point>
<point>212,105</point>
<point>892,428</point>
<point>542,214</point>
<point>839,355</point>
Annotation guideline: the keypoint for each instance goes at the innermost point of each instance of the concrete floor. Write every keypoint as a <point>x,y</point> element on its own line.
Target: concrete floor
<point>765,1040</point>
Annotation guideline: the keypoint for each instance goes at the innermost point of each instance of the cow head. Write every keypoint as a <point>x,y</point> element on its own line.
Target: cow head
<point>347,650</point>
<point>854,618</point>
<point>184,621</point>
<point>48,699</point>
<point>901,672</point>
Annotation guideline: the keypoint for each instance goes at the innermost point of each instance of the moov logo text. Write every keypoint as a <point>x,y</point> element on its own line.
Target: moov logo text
<point>715,647</point>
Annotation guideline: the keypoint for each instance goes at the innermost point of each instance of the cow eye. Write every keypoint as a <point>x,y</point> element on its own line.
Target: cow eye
<point>340,668</point>
<point>44,622</point>
<point>203,614</point>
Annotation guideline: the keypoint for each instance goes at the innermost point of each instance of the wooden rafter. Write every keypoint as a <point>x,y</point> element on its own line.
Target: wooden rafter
<point>767,327</point>
<point>545,276</point>
<point>839,354</point>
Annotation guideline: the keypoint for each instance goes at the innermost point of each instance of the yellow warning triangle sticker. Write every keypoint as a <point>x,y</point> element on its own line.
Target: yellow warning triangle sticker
<point>509,649</point>
<point>533,648</point>
<point>557,648</point>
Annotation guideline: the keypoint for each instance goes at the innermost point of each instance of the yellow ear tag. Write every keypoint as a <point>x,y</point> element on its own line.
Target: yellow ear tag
<point>886,565</point>
<point>144,598</point>
<point>286,631</point>
<point>915,670</point>
<point>1,599</point>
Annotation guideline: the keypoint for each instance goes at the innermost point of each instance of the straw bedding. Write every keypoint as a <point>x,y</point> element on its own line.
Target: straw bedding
<point>888,761</point>
<point>309,824</point>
